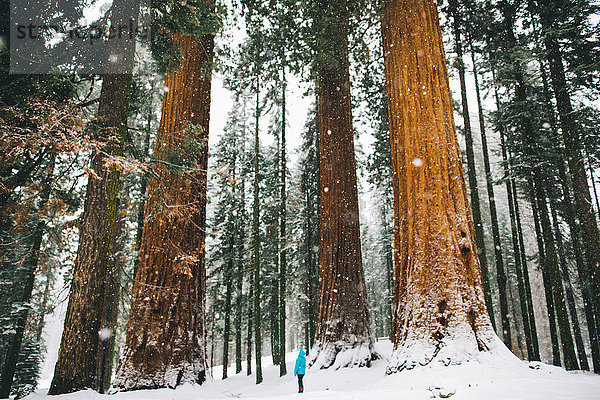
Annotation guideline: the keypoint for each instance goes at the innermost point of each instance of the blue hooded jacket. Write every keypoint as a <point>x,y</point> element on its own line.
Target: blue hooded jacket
<point>300,367</point>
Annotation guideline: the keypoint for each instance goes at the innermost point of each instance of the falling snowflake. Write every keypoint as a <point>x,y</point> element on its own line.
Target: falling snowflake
<point>417,162</point>
<point>105,333</point>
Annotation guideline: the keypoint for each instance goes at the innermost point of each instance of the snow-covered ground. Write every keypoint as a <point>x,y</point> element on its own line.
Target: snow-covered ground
<point>490,377</point>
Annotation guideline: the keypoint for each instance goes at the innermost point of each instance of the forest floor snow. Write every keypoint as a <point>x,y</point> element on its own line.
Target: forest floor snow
<point>490,377</point>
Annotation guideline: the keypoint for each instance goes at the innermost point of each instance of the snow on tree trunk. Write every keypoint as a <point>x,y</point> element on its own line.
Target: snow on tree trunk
<point>165,343</point>
<point>343,336</point>
<point>439,307</point>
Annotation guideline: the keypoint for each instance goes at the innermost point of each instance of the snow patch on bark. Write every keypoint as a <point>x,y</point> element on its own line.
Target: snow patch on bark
<point>129,378</point>
<point>342,354</point>
<point>451,350</point>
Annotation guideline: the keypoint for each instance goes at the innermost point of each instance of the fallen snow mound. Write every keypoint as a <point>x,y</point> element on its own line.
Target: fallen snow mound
<point>491,376</point>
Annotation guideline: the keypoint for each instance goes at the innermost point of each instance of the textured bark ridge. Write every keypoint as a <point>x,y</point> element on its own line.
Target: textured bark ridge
<point>439,307</point>
<point>78,364</point>
<point>343,337</point>
<point>165,343</point>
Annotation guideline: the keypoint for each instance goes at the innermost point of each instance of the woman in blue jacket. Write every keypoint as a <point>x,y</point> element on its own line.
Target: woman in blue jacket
<point>299,369</point>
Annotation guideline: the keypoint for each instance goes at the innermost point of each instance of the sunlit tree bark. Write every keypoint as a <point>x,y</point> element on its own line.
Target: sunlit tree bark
<point>439,306</point>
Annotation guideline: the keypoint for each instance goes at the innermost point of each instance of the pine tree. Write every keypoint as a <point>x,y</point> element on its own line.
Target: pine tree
<point>573,147</point>
<point>473,185</point>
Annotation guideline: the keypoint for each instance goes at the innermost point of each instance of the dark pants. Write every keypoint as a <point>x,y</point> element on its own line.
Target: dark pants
<point>300,384</point>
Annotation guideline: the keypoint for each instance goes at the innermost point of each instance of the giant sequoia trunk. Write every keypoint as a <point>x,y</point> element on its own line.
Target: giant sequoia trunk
<point>439,306</point>
<point>82,356</point>
<point>343,336</point>
<point>79,364</point>
<point>165,334</point>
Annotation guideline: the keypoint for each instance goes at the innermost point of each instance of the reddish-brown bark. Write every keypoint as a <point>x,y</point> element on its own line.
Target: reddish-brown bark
<point>165,343</point>
<point>439,308</point>
<point>343,323</point>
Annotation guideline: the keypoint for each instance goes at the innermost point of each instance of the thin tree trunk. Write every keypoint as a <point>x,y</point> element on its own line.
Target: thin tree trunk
<point>310,266</point>
<point>9,365</point>
<point>564,270</point>
<point>274,314</point>
<point>228,294</point>
<point>165,343</point>
<point>525,299</point>
<point>500,270</point>
<point>574,152</point>
<point>439,298</point>
<point>256,245</point>
<point>592,180</point>
<point>532,323</point>
<point>546,280</point>
<point>512,298</point>
<point>250,328</point>
<point>240,228</point>
<point>282,234</point>
<point>551,263</point>
<point>474,191</point>
<point>389,271</point>
<point>343,336</point>
<point>570,217</point>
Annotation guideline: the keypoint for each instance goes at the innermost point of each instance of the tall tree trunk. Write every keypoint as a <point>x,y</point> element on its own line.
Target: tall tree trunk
<point>532,323</point>
<point>551,264</point>
<point>343,336</point>
<point>517,329</point>
<point>525,298</point>
<point>564,271</point>
<point>239,279</point>
<point>574,151</point>
<point>256,245</point>
<point>80,349</point>
<point>309,261</point>
<point>250,328</point>
<point>500,270</point>
<point>111,307</point>
<point>143,189</point>
<point>79,363</point>
<point>474,191</point>
<point>9,366</point>
<point>282,232</point>
<point>165,343</point>
<point>389,269</point>
<point>592,180</point>
<point>274,314</point>
<point>228,294</point>
<point>439,297</point>
<point>546,280</point>
<point>570,217</point>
